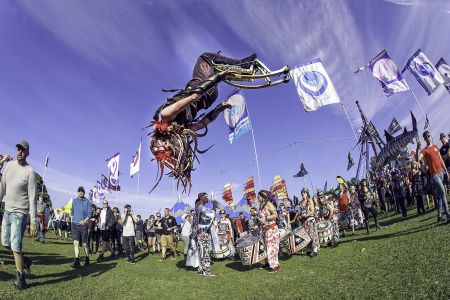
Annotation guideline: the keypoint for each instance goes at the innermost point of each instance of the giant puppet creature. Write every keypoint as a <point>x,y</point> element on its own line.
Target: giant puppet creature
<point>174,141</point>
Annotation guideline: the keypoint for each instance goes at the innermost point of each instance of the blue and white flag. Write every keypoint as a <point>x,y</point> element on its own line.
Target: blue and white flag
<point>314,86</point>
<point>385,70</point>
<point>237,116</point>
<point>424,71</point>
<point>444,69</point>
<point>98,192</point>
<point>103,182</point>
<point>113,166</point>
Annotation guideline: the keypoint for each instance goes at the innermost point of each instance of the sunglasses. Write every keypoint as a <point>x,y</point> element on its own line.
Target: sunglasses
<point>105,203</point>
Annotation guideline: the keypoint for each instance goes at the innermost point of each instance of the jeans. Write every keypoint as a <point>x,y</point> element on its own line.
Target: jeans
<point>13,229</point>
<point>128,246</point>
<point>440,195</point>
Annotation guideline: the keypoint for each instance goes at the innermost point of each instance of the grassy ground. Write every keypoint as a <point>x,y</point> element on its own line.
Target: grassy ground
<point>408,259</point>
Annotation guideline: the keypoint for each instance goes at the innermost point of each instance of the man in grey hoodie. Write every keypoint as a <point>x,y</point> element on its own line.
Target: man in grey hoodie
<point>18,191</point>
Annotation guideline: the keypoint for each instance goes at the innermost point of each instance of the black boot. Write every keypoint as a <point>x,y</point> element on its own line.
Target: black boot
<point>87,262</point>
<point>367,228</point>
<point>19,281</point>
<point>76,263</point>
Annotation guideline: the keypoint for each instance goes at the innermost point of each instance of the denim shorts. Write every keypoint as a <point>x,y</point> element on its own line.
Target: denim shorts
<point>13,230</point>
<point>79,233</point>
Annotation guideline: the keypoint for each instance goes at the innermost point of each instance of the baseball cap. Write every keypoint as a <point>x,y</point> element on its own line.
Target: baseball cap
<point>24,144</point>
<point>81,189</point>
<point>442,135</point>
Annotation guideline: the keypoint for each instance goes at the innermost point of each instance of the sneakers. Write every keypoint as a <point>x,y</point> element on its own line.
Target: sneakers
<point>131,261</point>
<point>19,281</point>
<point>76,263</point>
<point>87,262</point>
<point>27,266</point>
<point>174,257</point>
<point>275,270</point>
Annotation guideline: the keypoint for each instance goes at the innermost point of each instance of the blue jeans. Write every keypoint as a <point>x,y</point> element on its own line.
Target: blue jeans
<point>440,193</point>
<point>13,230</point>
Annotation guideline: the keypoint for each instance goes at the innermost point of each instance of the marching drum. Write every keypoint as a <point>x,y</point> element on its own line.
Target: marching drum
<point>251,249</point>
<point>223,250</point>
<point>325,231</point>
<point>295,240</point>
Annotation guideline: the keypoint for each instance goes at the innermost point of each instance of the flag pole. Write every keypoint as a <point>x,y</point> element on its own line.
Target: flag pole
<point>420,106</point>
<point>309,176</point>
<point>254,145</point>
<point>350,122</point>
<point>137,198</point>
<point>45,171</point>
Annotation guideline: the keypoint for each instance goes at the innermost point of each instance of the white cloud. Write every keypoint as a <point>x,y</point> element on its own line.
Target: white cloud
<point>404,2</point>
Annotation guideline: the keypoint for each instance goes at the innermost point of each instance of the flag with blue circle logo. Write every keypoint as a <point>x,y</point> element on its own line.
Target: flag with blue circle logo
<point>237,117</point>
<point>424,71</point>
<point>443,67</point>
<point>314,86</point>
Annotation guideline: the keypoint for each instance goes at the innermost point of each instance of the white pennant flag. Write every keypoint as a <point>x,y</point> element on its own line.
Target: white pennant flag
<point>135,162</point>
<point>314,86</point>
<point>424,71</point>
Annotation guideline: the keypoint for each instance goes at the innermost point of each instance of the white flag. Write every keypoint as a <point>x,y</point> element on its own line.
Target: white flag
<point>135,162</point>
<point>424,71</point>
<point>113,166</point>
<point>314,86</point>
<point>237,116</point>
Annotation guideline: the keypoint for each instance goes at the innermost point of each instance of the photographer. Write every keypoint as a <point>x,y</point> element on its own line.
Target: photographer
<point>128,233</point>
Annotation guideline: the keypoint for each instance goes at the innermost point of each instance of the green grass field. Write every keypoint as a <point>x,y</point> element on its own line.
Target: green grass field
<point>408,259</point>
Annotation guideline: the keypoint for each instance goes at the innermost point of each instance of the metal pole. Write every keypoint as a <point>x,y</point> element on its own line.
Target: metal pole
<point>310,180</point>
<point>350,122</point>
<point>299,159</point>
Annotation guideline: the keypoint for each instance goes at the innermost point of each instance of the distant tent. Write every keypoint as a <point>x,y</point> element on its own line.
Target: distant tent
<point>68,206</point>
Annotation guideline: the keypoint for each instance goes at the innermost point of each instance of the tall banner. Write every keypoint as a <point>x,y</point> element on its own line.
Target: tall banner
<point>236,117</point>
<point>385,70</point>
<point>249,191</point>
<point>135,162</point>
<point>424,71</point>
<point>314,86</point>
<point>444,69</point>
<point>103,182</point>
<point>279,188</point>
<point>227,194</point>
<point>113,166</point>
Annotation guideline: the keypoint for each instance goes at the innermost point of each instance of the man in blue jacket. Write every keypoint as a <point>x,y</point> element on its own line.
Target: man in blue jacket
<point>81,213</point>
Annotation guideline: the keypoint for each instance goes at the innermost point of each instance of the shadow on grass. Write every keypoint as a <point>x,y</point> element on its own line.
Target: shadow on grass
<point>71,274</point>
<point>394,234</point>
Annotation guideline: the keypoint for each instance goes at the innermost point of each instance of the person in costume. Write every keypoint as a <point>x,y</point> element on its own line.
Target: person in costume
<point>307,213</point>
<point>367,202</point>
<point>174,139</point>
<point>270,233</point>
<point>226,230</point>
<point>254,225</point>
<point>355,206</point>
<point>328,213</point>
<point>200,243</point>
<point>417,187</point>
<point>283,220</point>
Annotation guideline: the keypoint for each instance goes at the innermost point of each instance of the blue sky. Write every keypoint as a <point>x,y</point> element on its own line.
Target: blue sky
<point>79,79</point>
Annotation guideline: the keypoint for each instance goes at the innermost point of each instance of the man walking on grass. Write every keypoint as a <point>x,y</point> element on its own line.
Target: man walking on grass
<point>436,167</point>
<point>18,191</point>
<point>81,213</point>
<point>169,224</point>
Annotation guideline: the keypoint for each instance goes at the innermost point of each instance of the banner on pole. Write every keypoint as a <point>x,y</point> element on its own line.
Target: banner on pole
<point>135,162</point>
<point>113,166</point>
<point>424,71</point>
<point>444,69</point>
<point>236,117</point>
<point>385,70</point>
<point>314,86</point>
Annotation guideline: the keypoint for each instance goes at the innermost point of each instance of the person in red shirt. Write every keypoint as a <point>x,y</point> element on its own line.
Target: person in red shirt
<point>436,167</point>
<point>345,213</point>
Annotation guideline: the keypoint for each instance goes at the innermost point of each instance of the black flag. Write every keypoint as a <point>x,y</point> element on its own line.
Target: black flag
<point>350,161</point>
<point>302,171</point>
<point>394,127</point>
<point>427,122</point>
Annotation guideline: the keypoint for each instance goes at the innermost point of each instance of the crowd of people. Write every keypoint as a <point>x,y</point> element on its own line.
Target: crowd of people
<point>323,216</point>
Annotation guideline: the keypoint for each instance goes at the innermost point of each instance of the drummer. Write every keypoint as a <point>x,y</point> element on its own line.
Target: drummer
<point>283,220</point>
<point>327,212</point>
<point>345,213</point>
<point>270,231</point>
<point>307,217</point>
